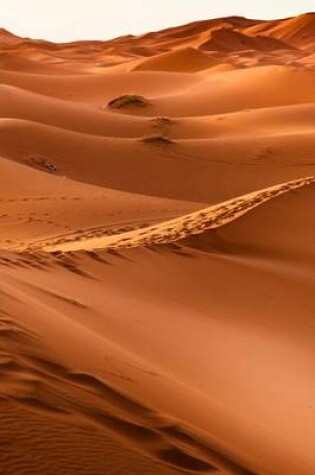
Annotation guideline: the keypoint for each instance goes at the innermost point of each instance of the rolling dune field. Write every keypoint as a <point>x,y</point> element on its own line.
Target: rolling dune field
<point>157,252</point>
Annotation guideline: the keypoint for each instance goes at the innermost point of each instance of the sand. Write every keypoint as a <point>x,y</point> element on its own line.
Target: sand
<point>157,259</point>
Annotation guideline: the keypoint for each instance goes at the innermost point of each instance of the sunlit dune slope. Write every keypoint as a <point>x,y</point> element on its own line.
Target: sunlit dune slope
<point>187,60</point>
<point>170,170</point>
<point>36,205</point>
<point>182,227</point>
<point>197,419</point>
<point>298,31</point>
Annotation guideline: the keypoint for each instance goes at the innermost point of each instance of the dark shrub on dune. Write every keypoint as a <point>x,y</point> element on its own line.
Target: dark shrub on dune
<point>157,140</point>
<point>42,164</point>
<point>128,100</point>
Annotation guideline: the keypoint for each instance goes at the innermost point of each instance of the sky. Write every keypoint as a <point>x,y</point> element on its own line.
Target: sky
<point>69,20</point>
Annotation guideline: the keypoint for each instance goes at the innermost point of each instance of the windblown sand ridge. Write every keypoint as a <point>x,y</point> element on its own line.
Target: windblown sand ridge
<point>179,228</point>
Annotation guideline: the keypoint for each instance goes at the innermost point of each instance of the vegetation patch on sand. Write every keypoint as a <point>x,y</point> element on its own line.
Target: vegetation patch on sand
<point>160,122</point>
<point>128,100</point>
<point>158,139</point>
<point>42,164</point>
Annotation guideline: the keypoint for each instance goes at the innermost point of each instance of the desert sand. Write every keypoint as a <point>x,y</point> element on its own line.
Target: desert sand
<point>157,252</point>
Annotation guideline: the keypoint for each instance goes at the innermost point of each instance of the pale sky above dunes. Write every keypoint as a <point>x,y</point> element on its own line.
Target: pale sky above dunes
<point>67,20</point>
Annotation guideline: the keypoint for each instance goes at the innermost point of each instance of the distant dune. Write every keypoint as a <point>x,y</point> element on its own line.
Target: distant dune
<point>186,60</point>
<point>298,31</point>
<point>157,258</point>
<point>226,39</point>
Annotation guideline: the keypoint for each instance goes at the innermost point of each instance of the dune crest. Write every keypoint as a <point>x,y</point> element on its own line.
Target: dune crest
<point>298,31</point>
<point>183,227</point>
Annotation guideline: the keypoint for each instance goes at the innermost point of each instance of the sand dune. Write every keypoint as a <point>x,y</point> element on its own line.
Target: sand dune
<point>157,258</point>
<point>225,39</point>
<point>8,39</point>
<point>127,421</point>
<point>242,89</point>
<point>153,168</point>
<point>184,226</point>
<point>20,104</point>
<point>298,31</point>
<point>187,60</point>
<point>35,205</point>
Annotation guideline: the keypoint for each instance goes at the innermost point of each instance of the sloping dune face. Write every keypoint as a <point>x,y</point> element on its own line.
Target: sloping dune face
<point>186,60</point>
<point>157,252</point>
<point>297,31</point>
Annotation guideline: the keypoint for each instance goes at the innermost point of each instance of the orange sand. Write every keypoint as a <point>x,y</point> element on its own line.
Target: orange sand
<point>157,259</point>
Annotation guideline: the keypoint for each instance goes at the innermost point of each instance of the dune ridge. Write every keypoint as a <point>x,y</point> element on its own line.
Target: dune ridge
<point>184,226</point>
<point>292,37</point>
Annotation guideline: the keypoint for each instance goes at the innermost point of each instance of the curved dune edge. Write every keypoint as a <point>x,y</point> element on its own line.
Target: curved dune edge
<point>185,59</point>
<point>180,228</point>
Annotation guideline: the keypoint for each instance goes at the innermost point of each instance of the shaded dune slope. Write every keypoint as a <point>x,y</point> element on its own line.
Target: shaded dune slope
<point>153,168</point>
<point>42,377</point>
<point>298,31</point>
<point>225,39</point>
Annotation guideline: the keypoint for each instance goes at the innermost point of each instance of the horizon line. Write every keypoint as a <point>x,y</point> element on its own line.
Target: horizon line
<point>11,32</point>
